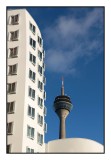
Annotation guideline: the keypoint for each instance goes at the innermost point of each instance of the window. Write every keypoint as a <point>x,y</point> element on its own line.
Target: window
<point>39,138</point>
<point>32,43</point>
<point>14,19</point>
<point>44,79</point>
<point>43,53</point>
<point>32,58</point>
<point>43,65</point>
<point>40,69</point>
<point>8,148</point>
<point>10,107</point>
<point>39,41</point>
<point>31,93</point>
<point>13,52</point>
<point>45,127</point>
<point>14,35</point>
<point>30,132</point>
<point>10,128</point>
<point>40,120</point>
<point>12,70</point>
<point>11,88</point>
<point>31,112</point>
<point>32,28</point>
<point>44,95</point>
<point>40,102</point>
<point>40,85</point>
<point>29,150</point>
<point>45,111</point>
<point>40,55</point>
<point>31,75</point>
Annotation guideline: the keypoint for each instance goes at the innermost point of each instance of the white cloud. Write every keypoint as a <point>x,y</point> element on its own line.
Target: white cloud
<point>69,39</point>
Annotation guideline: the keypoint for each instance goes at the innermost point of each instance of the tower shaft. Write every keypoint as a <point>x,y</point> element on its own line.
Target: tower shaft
<point>62,130</point>
<point>62,113</point>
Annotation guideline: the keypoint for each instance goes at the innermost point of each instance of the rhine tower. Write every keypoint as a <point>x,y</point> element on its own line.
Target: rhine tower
<point>62,107</point>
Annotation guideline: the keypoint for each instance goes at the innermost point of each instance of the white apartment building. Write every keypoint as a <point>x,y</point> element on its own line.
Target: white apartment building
<point>26,126</point>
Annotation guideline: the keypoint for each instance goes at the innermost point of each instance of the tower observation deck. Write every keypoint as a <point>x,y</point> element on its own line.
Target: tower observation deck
<point>62,107</point>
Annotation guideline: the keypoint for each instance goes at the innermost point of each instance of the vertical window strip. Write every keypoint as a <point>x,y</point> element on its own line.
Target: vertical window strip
<point>31,111</point>
<point>11,107</point>
<point>11,88</point>
<point>39,138</point>
<point>45,111</point>
<point>13,52</point>
<point>9,148</point>
<point>40,102</point>
<point>31,75</point>
<point>44,80</point>
<point>40,55</point>
<point>45,127</point>
<point>40,85</point>
<point>12,69</point>
<point>10,128</point>
<point>33,43</point>
<point>40,41</point>
<point>44,95</point>
<point>40,120</point>
<point>29,150</point>
<point>40,69</point>
<point>30,132</point>
<point>32,58</point>
<point>31,93</point>
<point>32,27</point>
<point>15,19</point>
<point>14,35</point>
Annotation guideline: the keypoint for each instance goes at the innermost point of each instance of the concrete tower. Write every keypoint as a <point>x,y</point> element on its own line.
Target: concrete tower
<point>62,106</point>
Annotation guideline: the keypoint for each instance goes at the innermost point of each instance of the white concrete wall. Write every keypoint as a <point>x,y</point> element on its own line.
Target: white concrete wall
<point>19,139</point>
<point>74,145</point>
<point>17,117</point>
<point>28,120</point>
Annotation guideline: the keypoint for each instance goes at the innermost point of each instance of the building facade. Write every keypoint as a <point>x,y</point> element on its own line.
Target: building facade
<point>26,126</point>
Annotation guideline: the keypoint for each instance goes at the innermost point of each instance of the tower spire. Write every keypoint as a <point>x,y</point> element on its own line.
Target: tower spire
<point>62,89</point>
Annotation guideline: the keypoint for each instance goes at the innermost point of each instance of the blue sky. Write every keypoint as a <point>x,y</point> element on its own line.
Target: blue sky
<point>74,44</point>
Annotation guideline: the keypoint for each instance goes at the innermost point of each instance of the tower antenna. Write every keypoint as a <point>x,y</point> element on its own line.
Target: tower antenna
<point>62,89</point>
<point>62,81</point>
